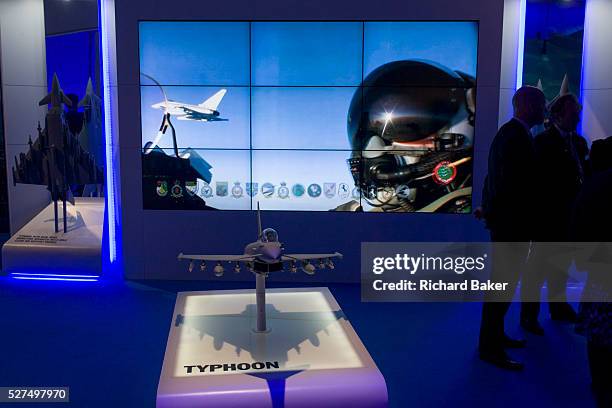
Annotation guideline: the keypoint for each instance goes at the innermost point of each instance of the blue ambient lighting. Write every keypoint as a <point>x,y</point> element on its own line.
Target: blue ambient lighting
<point>108,133</point>
<point>588,10</point>
<point>51,277</point>
<point>521,44</point>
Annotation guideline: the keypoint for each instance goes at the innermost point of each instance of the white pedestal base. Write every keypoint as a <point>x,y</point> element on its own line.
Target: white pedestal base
<point>36,248</point>
<point>311,357</point>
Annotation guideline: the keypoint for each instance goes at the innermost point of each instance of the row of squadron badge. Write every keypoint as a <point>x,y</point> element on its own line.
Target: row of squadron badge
<point>268,190</point>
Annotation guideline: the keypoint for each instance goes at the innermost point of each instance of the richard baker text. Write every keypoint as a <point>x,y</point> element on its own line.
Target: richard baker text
<point>439,285</point>
<point>432,271</point>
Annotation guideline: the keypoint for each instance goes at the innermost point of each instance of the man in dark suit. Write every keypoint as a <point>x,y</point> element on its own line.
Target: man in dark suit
<point>507,210</point>
<point>591,228</point>
<point>561,167</point>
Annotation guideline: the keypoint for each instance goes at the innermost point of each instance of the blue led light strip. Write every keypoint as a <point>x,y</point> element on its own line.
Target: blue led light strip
<point>53,275</point>
<point>108,133</point>
<point>53,279</point>
<point>520,52</point>
<point>588,10</point>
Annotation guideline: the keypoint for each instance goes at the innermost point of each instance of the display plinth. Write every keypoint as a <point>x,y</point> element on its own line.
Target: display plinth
<point>36,248</point>
<point>310,357</point>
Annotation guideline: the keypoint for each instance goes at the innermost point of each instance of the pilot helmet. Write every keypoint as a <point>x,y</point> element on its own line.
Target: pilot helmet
<point>406,118</point>
<point>269,235</point>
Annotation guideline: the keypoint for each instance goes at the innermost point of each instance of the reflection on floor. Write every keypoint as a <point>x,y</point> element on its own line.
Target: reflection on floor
<point>106,341</point>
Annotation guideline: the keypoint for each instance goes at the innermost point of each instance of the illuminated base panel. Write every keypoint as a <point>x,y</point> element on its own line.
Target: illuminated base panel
<point>310,356</point>
<point>36,251</point>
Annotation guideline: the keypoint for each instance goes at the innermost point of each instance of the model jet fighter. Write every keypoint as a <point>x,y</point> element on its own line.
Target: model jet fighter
<point>56,97</point>
<point>264,255</point>
<point>57,159</point>
<point>261,257</point>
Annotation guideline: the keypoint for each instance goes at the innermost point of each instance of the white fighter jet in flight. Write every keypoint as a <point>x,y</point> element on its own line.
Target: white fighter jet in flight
<point>204,112</point>
<point>261,257</point>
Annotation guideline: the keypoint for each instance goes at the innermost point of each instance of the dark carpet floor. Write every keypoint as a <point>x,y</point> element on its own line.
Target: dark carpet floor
<point>106,341</point>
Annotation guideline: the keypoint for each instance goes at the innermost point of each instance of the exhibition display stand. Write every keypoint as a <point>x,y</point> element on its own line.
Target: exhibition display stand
<point>310,355</point>
<point>37,248</point>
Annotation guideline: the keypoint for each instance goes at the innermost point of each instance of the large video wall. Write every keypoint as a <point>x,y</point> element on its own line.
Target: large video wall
<point>308,116</point>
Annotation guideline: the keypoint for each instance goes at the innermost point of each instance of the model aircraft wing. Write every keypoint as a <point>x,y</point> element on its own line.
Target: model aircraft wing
<point>307,257</point>
<point>213,102</point>
<point>220,258</point>
<point>66,100</point>
<point>45,101</point>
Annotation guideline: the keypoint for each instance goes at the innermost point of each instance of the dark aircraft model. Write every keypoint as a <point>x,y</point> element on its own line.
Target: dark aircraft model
<point>261,257</point>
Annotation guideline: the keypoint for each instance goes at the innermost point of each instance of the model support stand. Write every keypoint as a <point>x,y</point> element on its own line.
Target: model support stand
<point>260,297</point>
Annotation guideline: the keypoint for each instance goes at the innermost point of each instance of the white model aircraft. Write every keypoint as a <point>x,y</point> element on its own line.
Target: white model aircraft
<point>263,256</point>
<point>204,112</point>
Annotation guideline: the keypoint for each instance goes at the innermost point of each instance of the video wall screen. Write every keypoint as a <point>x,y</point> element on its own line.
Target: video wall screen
<point>308,116</point>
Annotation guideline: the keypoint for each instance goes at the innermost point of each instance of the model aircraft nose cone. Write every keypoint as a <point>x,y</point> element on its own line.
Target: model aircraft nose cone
<point>55,83</point>
<point>272,251</point>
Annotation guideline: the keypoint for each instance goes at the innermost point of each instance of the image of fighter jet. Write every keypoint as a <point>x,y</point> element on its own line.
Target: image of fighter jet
<point>204,112</point>
<point>261,257</point>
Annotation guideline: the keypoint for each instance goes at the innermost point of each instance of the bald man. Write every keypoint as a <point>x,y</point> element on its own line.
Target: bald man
<point>507,195</point>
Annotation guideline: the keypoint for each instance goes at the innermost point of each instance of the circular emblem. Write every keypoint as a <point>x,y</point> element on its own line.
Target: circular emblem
<point>283,190</point>
<point>444,173</point>
<point>298,190</point>
<point>177,190</point>
<point>206,190</point>
<point>267,189</point>
<point>314,190</point>
<point>237,190</point>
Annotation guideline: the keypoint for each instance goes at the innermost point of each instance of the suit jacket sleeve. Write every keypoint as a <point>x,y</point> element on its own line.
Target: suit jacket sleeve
<point>510,178</point>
